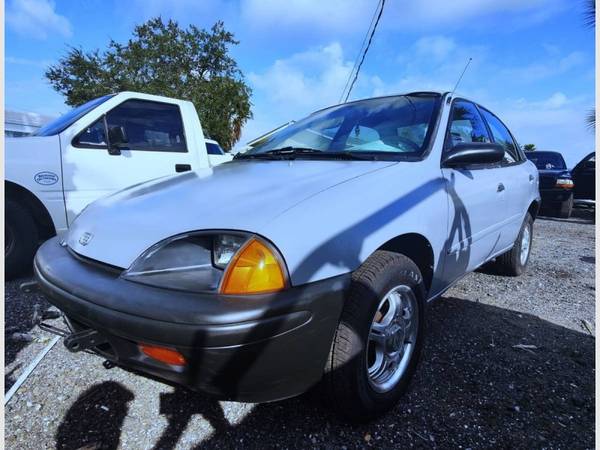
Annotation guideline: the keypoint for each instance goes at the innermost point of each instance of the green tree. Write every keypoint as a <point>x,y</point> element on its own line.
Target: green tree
<point>162,58</point>
<point>529,147</point>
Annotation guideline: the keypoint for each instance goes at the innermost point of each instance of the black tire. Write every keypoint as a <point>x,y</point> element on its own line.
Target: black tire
<point>509,263</point>
<point>21,240</point>
<point>346,378</point>
<point>565,208</point>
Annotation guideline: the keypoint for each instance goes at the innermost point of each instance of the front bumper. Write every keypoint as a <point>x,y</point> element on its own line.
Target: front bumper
<point>249,348</point>
<point>553,198</point>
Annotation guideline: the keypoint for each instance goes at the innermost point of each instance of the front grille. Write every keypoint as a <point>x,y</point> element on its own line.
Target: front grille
<point>547,182</point>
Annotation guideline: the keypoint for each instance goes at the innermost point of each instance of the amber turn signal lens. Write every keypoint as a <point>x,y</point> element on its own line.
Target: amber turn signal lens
<point>163,354</point>
<point>255,269</point>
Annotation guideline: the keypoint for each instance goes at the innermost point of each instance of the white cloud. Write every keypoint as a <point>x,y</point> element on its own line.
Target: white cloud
<point>335,15</point>
<point>27,62</point>
<point>553,123</point>
<point>293,87</point>
<point>549,67</point>
<point>436,47</point>
<point>306,80</point>
<point>340,16</point>
<point>37,19</point>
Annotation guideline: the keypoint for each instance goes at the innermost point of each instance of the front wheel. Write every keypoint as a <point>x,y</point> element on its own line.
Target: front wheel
<point>379,337</point>
<point>20,240</point>
<point>514,262</point>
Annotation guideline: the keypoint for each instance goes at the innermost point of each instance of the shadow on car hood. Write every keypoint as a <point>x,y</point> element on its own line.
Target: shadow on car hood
<point>240,195</point>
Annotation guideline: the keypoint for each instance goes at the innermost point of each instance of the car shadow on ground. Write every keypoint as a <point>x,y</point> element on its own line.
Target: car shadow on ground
<point>488,377</point>
<point>579,215</point>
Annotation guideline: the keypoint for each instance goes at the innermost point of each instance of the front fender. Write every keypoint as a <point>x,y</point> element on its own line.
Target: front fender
<point>335,231</point>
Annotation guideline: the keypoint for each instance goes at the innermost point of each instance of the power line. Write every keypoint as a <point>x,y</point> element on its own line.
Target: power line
<point>360,50</point>
<point>365,52</point>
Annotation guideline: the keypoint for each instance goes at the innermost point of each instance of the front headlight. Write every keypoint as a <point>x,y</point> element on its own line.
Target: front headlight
<point>230,263</point>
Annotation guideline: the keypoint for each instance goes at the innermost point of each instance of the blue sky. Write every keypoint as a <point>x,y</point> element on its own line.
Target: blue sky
<point>533,60</point>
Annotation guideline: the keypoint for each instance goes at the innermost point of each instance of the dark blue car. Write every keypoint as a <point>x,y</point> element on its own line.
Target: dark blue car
<point>556,184</point>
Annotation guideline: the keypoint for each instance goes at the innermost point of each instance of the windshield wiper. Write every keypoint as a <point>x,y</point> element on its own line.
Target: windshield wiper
<point>293,151</point>
<point>280,153</point>
<point>312,153</point>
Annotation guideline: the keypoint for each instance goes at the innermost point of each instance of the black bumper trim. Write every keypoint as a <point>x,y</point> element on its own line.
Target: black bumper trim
<point>276,349</point>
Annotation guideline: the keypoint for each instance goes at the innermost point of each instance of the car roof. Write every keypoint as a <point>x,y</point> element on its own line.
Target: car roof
<point>415,93</point>
<point>546,152</point>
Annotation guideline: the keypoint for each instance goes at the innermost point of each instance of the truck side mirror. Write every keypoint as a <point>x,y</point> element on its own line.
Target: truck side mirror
<point>116,138</point>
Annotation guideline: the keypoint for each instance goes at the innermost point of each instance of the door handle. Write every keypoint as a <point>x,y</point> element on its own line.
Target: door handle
<point>500,187</point>
<point>182,167</point>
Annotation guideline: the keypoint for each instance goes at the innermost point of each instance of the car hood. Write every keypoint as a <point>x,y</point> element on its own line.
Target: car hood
<point>239,195</point>
<point>553,172</point>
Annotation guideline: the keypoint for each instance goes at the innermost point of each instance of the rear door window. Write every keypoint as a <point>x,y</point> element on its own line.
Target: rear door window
<point>502,136</point>
<point>148,125</point>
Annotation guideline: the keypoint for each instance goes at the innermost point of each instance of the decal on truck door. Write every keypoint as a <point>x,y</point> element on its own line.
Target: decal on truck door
<point>46,178</point>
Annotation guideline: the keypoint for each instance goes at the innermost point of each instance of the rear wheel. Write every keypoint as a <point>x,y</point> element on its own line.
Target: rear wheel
<point>379,338</point>
<point>20,239</point>
<point>514,262</point>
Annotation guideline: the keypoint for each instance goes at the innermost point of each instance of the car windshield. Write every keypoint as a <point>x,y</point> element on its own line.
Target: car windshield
<point>397,126</point>
<point>64,121</point>
<point>547,160</point>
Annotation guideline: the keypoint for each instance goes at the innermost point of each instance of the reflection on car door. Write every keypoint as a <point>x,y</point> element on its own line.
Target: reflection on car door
<point>476,198</point>
<point>516,178</point>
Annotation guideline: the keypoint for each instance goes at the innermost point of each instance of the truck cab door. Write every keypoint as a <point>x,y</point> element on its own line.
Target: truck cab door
<point>134,141</point>
<point>476,198</point>
<point>584,178</point>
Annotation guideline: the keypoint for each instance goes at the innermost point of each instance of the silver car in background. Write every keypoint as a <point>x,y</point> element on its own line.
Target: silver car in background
<point>308,259</point>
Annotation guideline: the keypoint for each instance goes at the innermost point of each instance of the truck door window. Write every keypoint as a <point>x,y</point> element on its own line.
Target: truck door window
<point>93,136</point>
<point>466,125</point>
<point>149,125</point>
<point>213,149</point>
<point>502,136</point>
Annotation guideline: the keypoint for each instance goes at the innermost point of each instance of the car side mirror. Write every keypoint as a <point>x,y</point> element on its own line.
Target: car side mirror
<point>116,138</point>
<point>465,154</point>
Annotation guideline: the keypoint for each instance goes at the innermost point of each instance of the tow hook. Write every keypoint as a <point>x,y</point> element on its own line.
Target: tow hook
<point>29,286</point>
<point>108,364</point>
<point>83,340</point>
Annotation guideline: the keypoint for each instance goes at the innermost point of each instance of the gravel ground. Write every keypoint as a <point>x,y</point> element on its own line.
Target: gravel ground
<point>473,389</point>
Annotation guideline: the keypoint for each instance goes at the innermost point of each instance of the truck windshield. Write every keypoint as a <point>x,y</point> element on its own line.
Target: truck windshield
<point>387,127</point>
<point>64,121</point>
<point>547,160</point>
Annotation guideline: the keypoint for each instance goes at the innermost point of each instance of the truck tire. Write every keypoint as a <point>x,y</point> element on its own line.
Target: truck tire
<point>20,240</point>
<point>514,261</point>
<point>565,208</point>
<point>378,341</point>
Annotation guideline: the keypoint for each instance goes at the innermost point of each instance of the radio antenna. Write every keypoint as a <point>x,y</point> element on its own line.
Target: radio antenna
<point>460,78</point>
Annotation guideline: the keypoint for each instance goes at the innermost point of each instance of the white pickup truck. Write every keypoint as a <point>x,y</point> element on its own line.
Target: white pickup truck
<point>98,148</point>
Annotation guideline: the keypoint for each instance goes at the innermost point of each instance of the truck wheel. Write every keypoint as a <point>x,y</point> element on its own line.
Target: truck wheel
<point>379,338</point>
<point>514,261</point>
<point>565,208</point>
<point>20,240</point>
